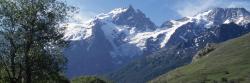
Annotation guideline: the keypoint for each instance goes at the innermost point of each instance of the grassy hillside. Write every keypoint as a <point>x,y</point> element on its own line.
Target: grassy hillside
<point>228,63</point>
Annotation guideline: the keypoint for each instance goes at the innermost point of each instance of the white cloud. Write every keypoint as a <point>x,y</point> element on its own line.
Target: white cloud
<point>81,18</point>
<point>193,7</point>
<point>84,16</point>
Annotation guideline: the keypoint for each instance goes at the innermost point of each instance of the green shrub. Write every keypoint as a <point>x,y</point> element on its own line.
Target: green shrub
<point>88,79</point>
<point>203,52</point>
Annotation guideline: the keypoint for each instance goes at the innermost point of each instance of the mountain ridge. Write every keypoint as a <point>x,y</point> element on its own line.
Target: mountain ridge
<point>114,39</point>
<point>183,44</point>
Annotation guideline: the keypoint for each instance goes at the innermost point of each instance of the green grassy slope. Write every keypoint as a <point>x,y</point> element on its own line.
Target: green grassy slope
<point>228,63</point>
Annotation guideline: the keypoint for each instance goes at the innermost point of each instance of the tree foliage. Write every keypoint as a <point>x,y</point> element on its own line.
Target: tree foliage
<point>31,40</point>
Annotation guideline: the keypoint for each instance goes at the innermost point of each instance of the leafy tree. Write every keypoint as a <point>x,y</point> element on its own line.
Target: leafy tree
<point>224,80</point>
<point>31,40</point>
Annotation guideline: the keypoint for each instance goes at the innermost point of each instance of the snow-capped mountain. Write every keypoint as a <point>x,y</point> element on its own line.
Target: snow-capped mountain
<point>226,15</point>
<point>186,37</point>
<point>206,23</point>
<point>111,40</point>
<point>107,41</point>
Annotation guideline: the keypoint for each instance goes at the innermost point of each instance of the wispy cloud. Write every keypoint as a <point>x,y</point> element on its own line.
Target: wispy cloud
<point>85,16</point>
<point>84,13</point>
<point>193,7</point>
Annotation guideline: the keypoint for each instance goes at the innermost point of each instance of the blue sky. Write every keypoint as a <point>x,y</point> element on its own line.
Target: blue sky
<point>157,10</point>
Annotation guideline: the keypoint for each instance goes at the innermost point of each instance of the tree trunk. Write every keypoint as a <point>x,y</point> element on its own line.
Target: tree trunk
<point>28,70</point>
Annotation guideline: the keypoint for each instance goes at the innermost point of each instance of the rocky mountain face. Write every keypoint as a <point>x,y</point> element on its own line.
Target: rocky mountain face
<point>108,41</point>
<point>192,34</point>
<point>114,39</point>
<point>134,18</point>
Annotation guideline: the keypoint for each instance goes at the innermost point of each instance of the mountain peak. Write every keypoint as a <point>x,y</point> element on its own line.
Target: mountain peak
<point>226,11</point>
<point>230,9</point>
<point>128,16</point>
<point>130,8</point>
<point>115,13</point>
<point>225,15</point>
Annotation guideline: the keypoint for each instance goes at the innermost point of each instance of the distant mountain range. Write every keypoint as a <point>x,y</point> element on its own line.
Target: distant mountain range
<point>125,39</point>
